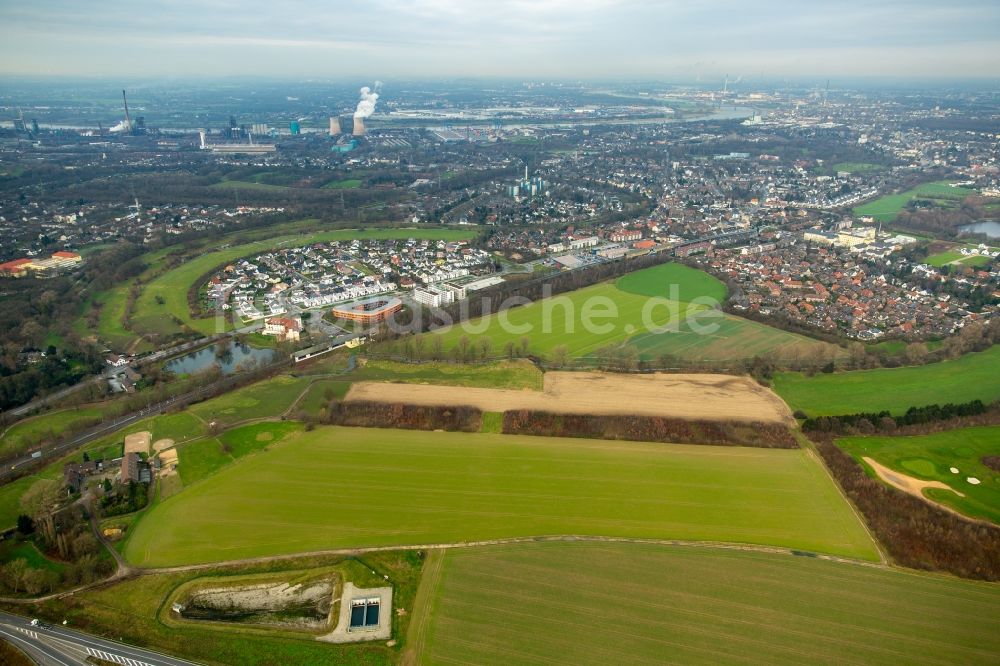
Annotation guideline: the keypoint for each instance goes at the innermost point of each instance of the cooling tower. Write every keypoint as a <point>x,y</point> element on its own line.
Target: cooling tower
<point>334,125</point>
<point>359,126</point>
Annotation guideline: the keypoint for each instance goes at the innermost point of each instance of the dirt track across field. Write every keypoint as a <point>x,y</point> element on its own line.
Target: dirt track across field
<point>710,397</point>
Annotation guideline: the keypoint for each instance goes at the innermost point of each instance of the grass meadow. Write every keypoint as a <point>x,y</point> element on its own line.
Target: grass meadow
<point>515,374</point>
<point>623,312</point>
<point>266,399</point>
<point>547,603</point>
<point>888,207</point>
<point>355,487</point>
<point>22,435</point>
<point>201,459</point>
<point>931,457</point>
<point>971,377</point>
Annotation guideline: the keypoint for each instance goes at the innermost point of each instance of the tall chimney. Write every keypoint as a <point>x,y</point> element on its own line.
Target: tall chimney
<point>359,126</point>
<point>334,125</point>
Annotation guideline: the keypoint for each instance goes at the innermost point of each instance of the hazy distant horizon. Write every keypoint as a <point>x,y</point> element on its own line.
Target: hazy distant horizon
<point>568,40</point>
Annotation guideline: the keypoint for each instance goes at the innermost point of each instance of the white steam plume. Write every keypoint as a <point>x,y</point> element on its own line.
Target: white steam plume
<point>122,126</point>
<point>366,105</point>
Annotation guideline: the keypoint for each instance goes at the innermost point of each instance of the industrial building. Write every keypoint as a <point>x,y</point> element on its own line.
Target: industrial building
<point>59,261</point>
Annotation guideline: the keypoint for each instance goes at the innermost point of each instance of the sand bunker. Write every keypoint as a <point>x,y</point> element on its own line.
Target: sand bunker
<point>973,480</point>
<point>910,485</point>
<point>954,470</point>
<point>713,397</point>
<point>138,442</point>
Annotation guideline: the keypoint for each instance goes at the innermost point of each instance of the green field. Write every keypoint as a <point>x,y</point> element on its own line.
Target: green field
<point>856,167</point>
<point>931,457</point>
<point>676,282</point>
<point>246,185</point>
<point>949,256</point>
<point>346,487</point>
<point>23,434</point>
<point>971,377</point>
<point>202,458</point>
<point>266,399</point>
<point>319,393</point>
<point>516,374</point>
<point>549,603</point>
<point>628,312</point>
<point>346,184</point>
<point>11,550</point>
<point>173,286</point>
<point>888,207</point>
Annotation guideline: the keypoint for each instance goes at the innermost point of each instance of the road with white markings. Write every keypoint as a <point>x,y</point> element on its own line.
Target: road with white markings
<point>53,645</point>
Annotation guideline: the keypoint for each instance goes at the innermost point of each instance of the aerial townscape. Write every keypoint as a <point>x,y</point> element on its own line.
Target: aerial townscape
<point>586,333</point>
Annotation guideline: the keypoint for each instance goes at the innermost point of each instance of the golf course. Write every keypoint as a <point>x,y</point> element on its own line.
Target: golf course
<point>970,377</point>
<point>933,457</point>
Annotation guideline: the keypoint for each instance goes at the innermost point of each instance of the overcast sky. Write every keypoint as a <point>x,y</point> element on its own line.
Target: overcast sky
<point>572,39</point>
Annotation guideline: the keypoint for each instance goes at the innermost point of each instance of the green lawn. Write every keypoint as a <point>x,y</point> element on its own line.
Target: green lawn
<point>266,399</point>
<point>613,317</point>
<point>579,603</point>
<point>940,259</point>
<point>971,377</point>
<point>319,393</point>
<point>732,338</point>
<point>517,374</point>
<point>345,487</point>
<point>173,285</point>
<point>632,310</point>
<point>249,185</point>
<point>45,427</point>
<point>17,550</point>
<point>10,493</point>
<point>346,184</point>
<point>931,457</point>
<point>888,207</point>
<point>674,281</point>
<point>202,458</point>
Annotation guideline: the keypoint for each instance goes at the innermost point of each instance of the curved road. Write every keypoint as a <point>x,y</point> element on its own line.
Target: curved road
<point>50,645</point>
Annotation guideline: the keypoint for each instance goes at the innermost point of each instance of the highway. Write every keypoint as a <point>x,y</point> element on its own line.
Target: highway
<point>53,645</point>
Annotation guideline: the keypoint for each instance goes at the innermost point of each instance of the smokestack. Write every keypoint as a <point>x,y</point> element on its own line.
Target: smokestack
<point>128,121</point>
<point>359,126</point>
<point>334,125</point>
<point>201,135</point>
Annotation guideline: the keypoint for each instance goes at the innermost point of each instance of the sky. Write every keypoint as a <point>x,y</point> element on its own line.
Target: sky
<point>537,39</point>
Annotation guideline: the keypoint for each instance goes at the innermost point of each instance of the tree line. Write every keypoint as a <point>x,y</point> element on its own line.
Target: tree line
<point>917,534</point>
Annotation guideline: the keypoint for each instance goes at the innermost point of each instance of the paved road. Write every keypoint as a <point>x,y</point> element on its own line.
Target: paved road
<point>52,645</point>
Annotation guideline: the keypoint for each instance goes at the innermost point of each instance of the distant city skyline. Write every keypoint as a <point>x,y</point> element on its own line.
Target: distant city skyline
<point>573,39</point>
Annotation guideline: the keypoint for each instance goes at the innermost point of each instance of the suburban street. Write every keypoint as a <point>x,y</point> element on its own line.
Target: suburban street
<point>57,646</point>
